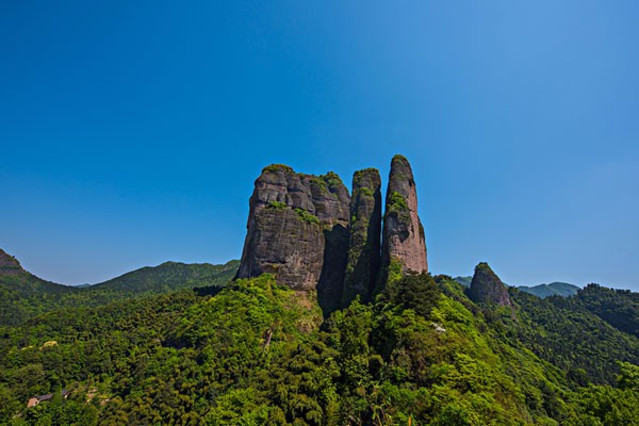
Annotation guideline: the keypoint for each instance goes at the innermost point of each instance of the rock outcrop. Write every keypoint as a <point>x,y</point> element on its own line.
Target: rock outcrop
<point>364,242</point>
<point>309,233</point>
<point>298,231</point>
<point>404,242</point>
<point>9,265</point>
<point>487,288</point>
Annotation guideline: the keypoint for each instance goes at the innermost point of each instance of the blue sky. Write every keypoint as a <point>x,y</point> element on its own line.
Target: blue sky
<point>131,132</point>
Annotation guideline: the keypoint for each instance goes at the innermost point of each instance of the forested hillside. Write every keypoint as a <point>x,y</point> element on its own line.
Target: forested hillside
<point>259,353</point>
<point>24,295</point>
<point>620,308</point>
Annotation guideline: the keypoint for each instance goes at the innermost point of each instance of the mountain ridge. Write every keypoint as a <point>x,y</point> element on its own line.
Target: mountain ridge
<point>25,295</point>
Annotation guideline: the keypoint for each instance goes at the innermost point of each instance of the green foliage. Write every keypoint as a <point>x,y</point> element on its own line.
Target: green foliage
<point>275,168</point>
<point>396,202</point>
<point>258,353</point>
<point>417,292</point>
<point>620,308</point>
<point>399,157</point>
<point>277,205</point>
<point>332,180</point>
<point>25,296</point>
<point>364,192</point>
<point>564,333</point>
<point>307,217</point>
<point>395,271</point>
<point>328,183</point>
<point>629,376</point>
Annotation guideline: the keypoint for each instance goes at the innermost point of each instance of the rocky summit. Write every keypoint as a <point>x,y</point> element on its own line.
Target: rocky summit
<point>312,235</point>
<point>487,288</point>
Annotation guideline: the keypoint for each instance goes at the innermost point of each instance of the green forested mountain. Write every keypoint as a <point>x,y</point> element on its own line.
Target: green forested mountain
<point>258,353</point>
<point>620,308</point>
<point>170,276</point>
<point>24,295</point>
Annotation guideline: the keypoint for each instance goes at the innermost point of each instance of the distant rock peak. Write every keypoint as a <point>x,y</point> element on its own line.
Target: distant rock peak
<point>487,288</point>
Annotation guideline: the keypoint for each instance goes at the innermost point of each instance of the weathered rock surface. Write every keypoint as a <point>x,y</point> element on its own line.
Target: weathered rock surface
<point>309,233</point>
<point>365,230</point>
<point>298,231</point>
<point>403,236</point>
<point>9,265</point>
<point>487,288</point>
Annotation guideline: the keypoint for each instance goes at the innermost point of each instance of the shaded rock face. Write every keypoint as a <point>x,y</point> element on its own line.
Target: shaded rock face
<point>403,236</point>
<point>487,288</point>
<point>9,265</point>
<point>298,231</point>
<point>364,240</point>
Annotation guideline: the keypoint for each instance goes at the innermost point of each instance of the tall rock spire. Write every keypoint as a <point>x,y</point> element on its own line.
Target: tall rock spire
<point>404,242</point>
<point>365,229</point>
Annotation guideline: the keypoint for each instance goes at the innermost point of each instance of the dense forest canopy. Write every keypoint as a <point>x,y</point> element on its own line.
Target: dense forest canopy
<point>255,352</point>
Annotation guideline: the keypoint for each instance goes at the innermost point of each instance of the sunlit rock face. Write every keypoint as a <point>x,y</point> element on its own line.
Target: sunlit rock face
<point>404,241</point>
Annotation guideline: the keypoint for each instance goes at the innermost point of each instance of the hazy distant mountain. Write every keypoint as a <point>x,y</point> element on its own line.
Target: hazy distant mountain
<point>464,281</point>
<point>553,289</point>
<point>541,290</point>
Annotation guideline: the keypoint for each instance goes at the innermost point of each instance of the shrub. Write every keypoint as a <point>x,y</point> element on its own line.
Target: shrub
<point>418,292</point>
<point>307,217</point>
<point>277,205</point>
<point>397,202</point>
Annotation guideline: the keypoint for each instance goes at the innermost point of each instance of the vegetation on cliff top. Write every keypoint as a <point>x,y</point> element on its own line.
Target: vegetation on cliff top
<point>274,168</point>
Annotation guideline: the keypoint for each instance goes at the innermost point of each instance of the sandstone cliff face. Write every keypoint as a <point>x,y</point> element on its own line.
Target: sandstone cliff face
<point>309,233</point>
<point>365,230</point>
<point>403,238</point>
<point>487,288</point>
<point>298,231</point>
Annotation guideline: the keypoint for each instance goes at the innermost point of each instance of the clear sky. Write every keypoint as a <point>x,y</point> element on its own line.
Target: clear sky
<point>131,132</point>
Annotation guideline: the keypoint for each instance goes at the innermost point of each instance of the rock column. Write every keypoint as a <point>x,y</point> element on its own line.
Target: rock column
<point>404,242</point>
<point>365,230</point>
